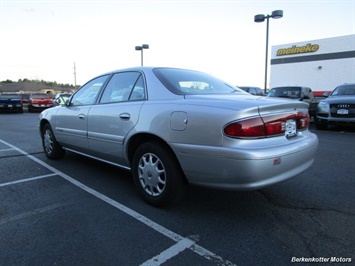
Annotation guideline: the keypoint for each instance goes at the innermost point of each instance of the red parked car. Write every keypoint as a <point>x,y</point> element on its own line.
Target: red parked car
<point>39,102</point>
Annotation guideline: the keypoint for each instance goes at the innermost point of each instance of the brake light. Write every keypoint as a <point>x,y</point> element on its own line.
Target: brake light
<point>303,120</point>
<point>253,127</point>
<point>267,126</point>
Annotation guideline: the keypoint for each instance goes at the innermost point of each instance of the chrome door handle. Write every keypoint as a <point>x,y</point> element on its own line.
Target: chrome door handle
<point>125,116</point>
<point>81,116</point>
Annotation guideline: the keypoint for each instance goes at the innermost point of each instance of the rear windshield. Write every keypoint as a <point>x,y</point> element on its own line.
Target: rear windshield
<point>287,92</point>
<point>181,81</point>
<point>40,96</point>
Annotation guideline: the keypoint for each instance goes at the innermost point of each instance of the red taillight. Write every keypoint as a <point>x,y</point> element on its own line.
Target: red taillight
<point>267,126</point>
<point>253,127</point>
<point>275,124</point>
<point>302,120</point>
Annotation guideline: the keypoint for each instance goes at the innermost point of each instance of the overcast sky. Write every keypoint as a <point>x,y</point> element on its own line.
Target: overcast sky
<point>43,39</point>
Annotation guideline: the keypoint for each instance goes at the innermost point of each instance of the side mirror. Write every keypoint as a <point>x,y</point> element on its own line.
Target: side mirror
<point>326,94</point>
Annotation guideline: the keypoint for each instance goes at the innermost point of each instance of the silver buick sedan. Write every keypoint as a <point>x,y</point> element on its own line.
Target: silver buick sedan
<point>171,127</point>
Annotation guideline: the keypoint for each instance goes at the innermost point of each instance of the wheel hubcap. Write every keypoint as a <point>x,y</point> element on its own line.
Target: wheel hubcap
<point>152,175</point>
<point>48,141</point>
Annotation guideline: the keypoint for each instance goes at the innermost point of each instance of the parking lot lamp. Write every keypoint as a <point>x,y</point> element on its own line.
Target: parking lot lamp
<point>140,48</point>
<point>261,18</point>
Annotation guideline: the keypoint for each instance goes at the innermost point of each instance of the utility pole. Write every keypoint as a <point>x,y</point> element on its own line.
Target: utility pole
<point>74,75</point>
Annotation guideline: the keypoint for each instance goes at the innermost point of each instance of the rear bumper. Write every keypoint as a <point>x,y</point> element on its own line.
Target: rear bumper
<point>322,118</point>
<point>39,106</point>
<point>11,108</point>
<point>244,169</point>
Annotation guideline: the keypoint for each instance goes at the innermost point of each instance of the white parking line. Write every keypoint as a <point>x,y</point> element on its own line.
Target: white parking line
<point>181,241</point>
<point>26,180</point>
<point>30,213</point>
<point>6,150</point>
<point>169,253</point>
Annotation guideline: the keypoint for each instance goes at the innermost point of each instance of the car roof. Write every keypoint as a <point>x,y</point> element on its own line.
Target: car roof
<point>147,69</point>
<point>347,84</point>
<point>303,87</point>
<point>141,68</point>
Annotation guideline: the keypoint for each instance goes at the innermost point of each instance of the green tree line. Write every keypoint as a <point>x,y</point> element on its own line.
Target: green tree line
<point>47,83</point>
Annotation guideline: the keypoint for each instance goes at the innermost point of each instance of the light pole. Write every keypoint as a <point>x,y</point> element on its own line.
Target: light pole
<point>140,48</point>
<point>261,18</point>
<point>74,76</point>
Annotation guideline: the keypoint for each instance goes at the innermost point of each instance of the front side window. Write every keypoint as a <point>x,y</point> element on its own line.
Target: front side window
<point>88,93</point>
<point>126,86</point>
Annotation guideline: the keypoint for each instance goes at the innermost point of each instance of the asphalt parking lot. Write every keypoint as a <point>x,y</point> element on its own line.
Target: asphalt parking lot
<point>77,211</point>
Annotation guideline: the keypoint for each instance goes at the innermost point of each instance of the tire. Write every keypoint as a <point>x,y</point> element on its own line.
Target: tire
<point>157,175</point>
<point>51,147</point>
<point>320,125</point>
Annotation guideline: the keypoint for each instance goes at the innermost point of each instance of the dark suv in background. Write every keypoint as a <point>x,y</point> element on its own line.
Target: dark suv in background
<point>10,102</point>
<point>298,93</point>
<point>337,108</point>
<point>25,98</point>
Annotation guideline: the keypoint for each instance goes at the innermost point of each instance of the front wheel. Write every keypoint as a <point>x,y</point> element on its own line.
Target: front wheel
<point>51,147</point>
<point>158,175</point>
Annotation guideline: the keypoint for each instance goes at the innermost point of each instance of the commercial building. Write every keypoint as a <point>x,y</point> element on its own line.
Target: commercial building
<point>319,64</point>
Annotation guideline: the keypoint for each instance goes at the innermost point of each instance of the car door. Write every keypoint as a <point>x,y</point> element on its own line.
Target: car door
<point>72,119</point>
<point>115,116</point>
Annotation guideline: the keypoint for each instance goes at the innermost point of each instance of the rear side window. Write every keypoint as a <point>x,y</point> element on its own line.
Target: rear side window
<point>259,91</point>
<point>126,86</point>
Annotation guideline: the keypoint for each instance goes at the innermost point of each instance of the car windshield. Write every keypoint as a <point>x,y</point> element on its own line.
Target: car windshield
<point>182,81</point>
<point>287,92</point>
<point>344,90</point>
